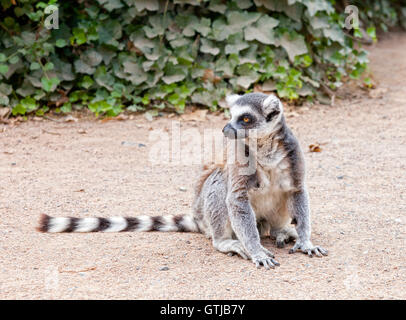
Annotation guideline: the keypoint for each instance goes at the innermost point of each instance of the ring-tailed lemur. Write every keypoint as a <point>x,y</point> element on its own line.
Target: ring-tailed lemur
<point>233,207</point>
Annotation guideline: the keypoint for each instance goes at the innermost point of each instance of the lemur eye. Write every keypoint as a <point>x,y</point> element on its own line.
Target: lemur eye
<point>246,119</point>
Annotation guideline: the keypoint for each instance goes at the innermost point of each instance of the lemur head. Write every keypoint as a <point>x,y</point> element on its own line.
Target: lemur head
<point>253,113</point>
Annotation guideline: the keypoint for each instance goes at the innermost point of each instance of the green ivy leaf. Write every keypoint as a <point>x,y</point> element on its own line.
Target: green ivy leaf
<point>4,100</point>
<point>358,33</point>
<point>14,59</point>
<point>173,74</point>
<point>91,58</point>
<point>48,66</point>
<point>150,5</point>
<point>217,6</point>
<point>314,6</point>
<point>35,66</point>
<point>82,67</point>
<point>294,46</point>
<point>86,82</point>
<point>111,5</point>
<point>262,30</point>
<point>371,31</point>
<point>335,34</point>
<point>29,104</point>
<point>50,84</point>
<point>60,43</point>
<point>242,18</point>
<point>3,68</point>
<point>19,109</point>
<point>209,47</point>
<point>79,36</point>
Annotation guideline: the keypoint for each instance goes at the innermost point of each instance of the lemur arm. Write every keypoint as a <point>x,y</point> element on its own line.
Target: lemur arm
<point>241,213</point>
<point>242,216</point>
<point>300,210</point>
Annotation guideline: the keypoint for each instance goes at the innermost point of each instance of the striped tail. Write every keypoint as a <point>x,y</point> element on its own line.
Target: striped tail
<point>179,223</point>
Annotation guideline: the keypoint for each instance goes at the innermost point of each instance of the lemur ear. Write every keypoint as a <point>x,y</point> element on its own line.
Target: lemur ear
<point>232,98</point>
<point>272,103</point>
<point>272,106</point>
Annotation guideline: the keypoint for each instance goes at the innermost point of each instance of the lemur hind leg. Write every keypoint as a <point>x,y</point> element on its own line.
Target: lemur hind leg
<point>283,235</point>
<point>222,233</point>
<point>230,246</point>
<point>215,212</point>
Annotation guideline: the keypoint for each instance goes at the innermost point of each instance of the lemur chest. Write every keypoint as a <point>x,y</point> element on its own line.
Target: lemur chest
<point>270,188</point>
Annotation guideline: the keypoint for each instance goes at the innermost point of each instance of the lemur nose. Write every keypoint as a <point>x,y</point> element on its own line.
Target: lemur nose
<point>229,131</point>
<point>227,127</point>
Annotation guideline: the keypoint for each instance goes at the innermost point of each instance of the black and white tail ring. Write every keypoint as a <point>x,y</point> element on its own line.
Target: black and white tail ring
<point>174,223</point>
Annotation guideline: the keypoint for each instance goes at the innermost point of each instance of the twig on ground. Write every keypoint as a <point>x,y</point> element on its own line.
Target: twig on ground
<point>77,271</point>
<point>50,132</point>
<point>52,119</point>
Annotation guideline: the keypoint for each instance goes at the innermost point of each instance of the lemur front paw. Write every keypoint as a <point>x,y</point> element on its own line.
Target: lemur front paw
<point>308,248</point>
<point>265,258</point>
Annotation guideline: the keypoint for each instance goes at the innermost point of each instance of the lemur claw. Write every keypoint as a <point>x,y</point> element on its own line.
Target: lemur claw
<point>266,259</point>
<point>309,249</point>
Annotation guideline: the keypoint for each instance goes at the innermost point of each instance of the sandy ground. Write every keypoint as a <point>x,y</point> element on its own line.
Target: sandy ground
<point>88,168</point>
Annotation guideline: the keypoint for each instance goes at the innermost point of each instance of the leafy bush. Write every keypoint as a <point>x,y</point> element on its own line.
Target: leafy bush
<point>108,55</point>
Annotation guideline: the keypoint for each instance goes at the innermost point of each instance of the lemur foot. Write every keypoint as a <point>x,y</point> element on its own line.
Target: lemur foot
<point>265,258</point>
<point>308,248</point>
<point>284,236</point>
<point>230,247</point>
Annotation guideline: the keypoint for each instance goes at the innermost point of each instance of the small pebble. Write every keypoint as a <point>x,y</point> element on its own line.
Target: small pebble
<point>129,143</point>
<point>164,269</point>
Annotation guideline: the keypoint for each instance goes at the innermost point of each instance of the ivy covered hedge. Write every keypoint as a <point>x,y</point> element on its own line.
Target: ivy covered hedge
<point>111,55</point>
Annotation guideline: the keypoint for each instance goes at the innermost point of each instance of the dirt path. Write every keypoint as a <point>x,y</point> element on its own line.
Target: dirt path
<point>357,187</point>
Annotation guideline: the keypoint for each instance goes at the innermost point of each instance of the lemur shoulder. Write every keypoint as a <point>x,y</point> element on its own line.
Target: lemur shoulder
<point>258,194</point>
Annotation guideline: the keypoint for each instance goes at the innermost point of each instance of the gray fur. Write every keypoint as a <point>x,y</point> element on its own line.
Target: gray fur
<point>236,209</point>
<point>256,195</point>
